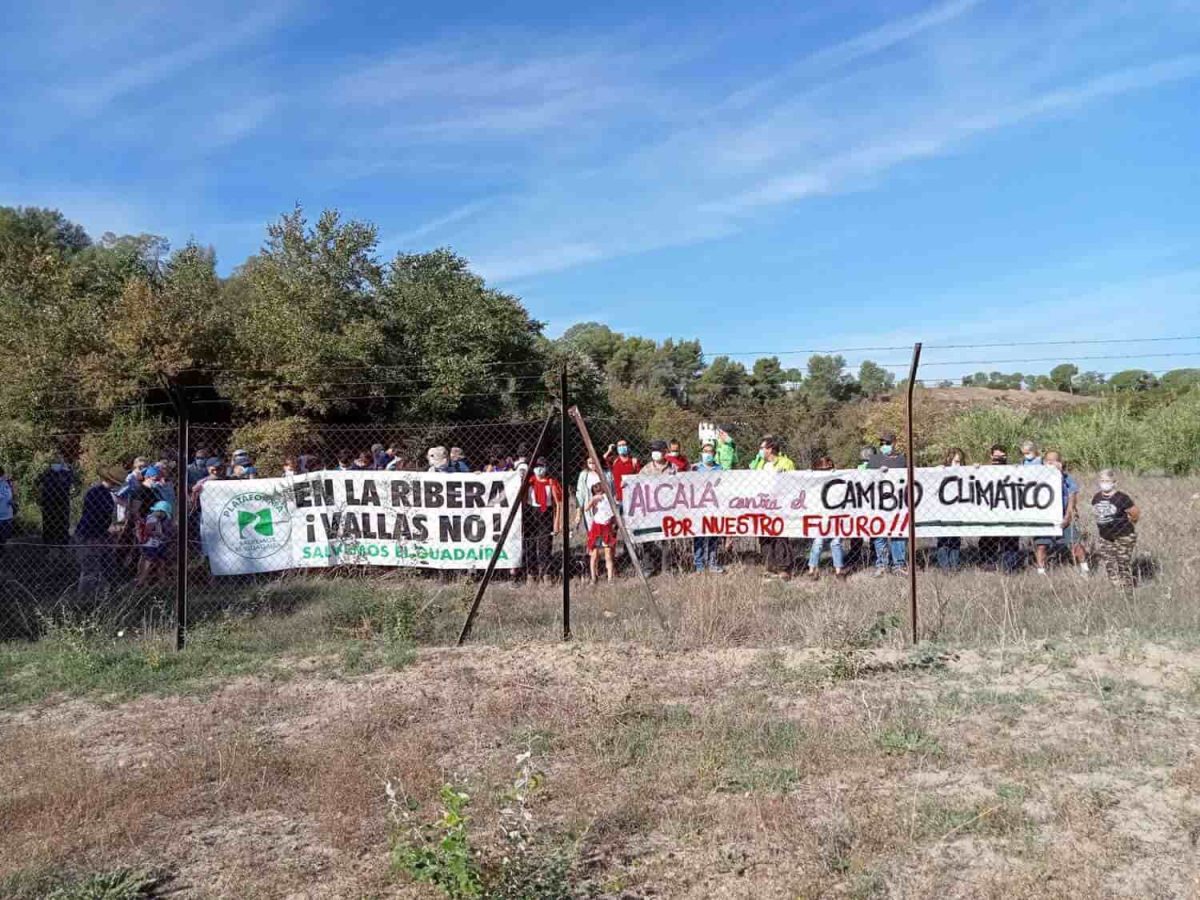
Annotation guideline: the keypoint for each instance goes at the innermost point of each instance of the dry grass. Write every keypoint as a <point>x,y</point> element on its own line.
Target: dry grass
<point>1041,743</point>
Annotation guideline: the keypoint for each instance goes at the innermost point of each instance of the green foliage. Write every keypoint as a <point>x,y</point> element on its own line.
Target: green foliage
<point>975,430</point>
<point>874,379</point>
<point>270,441</point>
<point>1172,435</point>
<point>440,852</point>
<point>129,434</point>
<point>1103,435</point>
<point>118,884</point>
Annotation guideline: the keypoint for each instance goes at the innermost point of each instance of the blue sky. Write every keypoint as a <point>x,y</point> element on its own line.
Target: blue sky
<point>766,177</point>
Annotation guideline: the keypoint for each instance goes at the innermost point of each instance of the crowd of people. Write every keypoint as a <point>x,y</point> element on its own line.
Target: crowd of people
<point>127,516</point>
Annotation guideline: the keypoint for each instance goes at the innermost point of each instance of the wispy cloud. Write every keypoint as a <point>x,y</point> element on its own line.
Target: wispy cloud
<point>436,225</point>
<point>91,96</point>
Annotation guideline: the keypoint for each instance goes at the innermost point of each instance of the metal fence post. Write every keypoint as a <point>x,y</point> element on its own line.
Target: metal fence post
<point>183,417</point>
<point>911,492</point>
<point>566,525</point>
<point>500,541</point>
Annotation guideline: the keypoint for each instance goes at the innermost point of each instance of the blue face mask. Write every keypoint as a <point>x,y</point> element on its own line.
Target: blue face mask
<point>885,449</point>
<point>623,451</point>
<point>706,457</point>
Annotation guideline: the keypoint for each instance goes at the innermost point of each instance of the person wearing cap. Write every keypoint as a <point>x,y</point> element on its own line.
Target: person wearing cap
<point>725,452</point>
<point>1002,551</point>
<point>154,539</point>
<point>237,464</point>
<point>1116,515</point>
<point>887,457</point>
<point>620,461</point>
<point>705,549</point>
<point>778,552</point>
<point>542,520</point>
<point>92,533</point>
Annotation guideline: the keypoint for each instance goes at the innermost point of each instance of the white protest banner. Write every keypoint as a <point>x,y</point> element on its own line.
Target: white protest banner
<point>435,520</point>
<point>964,501</point>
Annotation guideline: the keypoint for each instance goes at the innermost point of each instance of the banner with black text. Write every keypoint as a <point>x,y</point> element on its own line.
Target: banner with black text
<point>964,501</point>
<point>325,519</point>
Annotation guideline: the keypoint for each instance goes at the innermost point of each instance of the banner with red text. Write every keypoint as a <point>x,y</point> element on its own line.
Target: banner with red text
<point>964,501</point>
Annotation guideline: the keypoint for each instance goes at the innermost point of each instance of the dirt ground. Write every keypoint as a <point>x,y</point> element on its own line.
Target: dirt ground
<point>1063,770</point>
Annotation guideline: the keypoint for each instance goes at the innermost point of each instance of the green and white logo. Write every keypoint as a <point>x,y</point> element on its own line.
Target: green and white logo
<point>255,525</point>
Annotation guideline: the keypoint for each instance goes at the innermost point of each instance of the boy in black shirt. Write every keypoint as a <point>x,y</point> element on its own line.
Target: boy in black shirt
<point>1116,514</point>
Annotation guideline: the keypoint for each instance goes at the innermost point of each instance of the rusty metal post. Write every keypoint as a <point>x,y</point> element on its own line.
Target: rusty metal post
<point>910,490</point>
<point>574,413</point>
<point>508,523</point>
<point>566,524</point>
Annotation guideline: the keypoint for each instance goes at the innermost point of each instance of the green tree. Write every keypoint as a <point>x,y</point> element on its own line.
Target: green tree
<point>874,379</point>
<point>1180,379</point>
<point>1132,380</point>
<point>827,379</point>
<point>766,379</point>
<point>721,382</point>
<point>1062,377</point>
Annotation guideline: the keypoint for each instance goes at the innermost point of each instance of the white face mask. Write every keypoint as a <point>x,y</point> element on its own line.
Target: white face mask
<point>540,471</point>
<point>1107,487</point>
<point>656,456</point>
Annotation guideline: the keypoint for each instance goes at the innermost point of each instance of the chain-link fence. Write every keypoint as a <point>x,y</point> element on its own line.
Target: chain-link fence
<point>97,532</point>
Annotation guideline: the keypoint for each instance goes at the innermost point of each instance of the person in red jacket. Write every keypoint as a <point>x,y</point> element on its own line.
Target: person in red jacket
<point>621,462</point>
<point>676,458</point>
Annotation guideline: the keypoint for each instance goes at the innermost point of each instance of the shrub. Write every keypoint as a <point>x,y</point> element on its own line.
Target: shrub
<point>1105,435</point>
<point>977,429</point>
<point>1172,435</point>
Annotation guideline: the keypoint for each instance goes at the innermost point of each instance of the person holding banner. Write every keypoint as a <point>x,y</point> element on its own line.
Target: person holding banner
<point>777,551</point>
<point>1071,536</point>
<point>825,464</point>
<point>654,555</point>
<point>588,477</point>
<point>896,548</point>
<point>949,549</point>
<point>1003,552</point>
<point>705,549</point>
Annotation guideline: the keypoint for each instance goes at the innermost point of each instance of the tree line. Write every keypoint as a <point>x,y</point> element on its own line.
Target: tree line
<point>316,327</point>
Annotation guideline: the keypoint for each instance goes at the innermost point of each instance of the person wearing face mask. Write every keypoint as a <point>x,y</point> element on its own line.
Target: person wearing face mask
<point>887,457</point>
<point>676,458</point>
<point>705,549</point>
<point>949,549</point>
<point>654,554</point>
<point>825,464</point>
<point>542,520</point>
<point>760,459</point>
<point>198,468</point>
<point>1116,514</point>
<point>1029,454</point>
<point>777,552</point>
<point>1071,538</point>
<point>621,462</point>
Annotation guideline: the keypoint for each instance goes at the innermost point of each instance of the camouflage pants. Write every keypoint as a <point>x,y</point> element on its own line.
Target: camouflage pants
<point>1118,559</point>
